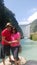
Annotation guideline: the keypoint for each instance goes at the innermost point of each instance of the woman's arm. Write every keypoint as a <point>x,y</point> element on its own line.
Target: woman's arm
<point>17,40</point>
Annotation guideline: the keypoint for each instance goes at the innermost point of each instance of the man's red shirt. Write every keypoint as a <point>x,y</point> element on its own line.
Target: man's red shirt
<point>7,34</point>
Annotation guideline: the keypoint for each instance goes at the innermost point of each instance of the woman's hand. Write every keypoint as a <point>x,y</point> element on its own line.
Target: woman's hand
<point>10,42</point>
<point>15,41</point>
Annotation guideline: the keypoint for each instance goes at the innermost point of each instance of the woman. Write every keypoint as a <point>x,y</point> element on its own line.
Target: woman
<point>15,45</point>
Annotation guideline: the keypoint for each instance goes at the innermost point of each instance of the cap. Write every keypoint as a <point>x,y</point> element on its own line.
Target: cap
<point>8,24</point>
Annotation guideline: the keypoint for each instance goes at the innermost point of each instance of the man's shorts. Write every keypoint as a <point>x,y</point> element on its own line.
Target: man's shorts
<point>5,51</point>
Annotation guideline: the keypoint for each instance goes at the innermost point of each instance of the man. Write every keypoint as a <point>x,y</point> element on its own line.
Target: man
<point>6,38</point>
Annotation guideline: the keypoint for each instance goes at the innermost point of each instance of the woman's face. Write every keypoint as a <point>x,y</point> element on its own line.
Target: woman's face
<point>13,30</point>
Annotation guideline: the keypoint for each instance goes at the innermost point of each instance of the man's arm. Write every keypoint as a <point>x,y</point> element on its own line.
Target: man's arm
<point>3,39</point>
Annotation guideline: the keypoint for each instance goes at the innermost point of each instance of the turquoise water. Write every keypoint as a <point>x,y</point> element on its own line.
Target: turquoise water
<point>29,49</point>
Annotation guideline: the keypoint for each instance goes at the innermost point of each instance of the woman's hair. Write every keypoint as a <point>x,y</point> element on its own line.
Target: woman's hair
<point>14,28</point>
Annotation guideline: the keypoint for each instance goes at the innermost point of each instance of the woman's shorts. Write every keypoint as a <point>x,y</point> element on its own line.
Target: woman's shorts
<point>5,51</point>
<point>15,51</point>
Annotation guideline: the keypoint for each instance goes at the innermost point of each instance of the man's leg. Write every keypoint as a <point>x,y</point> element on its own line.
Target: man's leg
<point>9,54</point>
<point>10,58</point>
<point>3,55</point>
<point>3,61</point>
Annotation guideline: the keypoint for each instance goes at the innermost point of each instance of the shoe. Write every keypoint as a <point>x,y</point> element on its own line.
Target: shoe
<point>11,60</point>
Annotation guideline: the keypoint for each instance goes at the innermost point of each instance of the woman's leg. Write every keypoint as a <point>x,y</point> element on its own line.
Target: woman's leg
<point>12,50</point>
<point>17,61</point>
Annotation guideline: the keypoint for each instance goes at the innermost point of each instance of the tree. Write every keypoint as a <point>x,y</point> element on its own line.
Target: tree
<point>7,16</point>
<point>1,13</point>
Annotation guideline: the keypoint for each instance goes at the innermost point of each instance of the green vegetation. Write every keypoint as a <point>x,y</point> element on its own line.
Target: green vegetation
<point>33,36</point>
<point>33,30</point>
<point>33,26</point>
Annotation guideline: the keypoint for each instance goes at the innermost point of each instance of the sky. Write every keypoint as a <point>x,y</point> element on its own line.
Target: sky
<point>25,10</point>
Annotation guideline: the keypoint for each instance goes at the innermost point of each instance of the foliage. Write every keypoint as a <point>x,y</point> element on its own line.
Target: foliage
<point>33,27</point>
<point>7,16</point>
<point>33,36</point>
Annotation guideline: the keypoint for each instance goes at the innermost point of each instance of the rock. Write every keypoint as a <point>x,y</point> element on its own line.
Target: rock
<point>22,60</point>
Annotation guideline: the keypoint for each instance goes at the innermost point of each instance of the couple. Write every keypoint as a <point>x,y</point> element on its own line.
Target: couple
<point>10,40</point>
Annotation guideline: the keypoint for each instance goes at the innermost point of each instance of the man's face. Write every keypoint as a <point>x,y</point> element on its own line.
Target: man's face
<point>9,28</point>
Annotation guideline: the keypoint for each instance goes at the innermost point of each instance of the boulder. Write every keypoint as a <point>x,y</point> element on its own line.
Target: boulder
<point>22,61</point>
